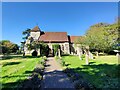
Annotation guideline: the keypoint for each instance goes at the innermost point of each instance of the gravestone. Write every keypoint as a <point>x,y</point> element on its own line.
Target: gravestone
<point>90,55</point>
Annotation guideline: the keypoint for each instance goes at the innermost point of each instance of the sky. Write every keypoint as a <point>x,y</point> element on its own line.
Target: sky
<point>73,18</point>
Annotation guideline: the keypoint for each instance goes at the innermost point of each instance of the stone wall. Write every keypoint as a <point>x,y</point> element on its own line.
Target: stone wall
<point>35,35</point>
<point>64,47</point>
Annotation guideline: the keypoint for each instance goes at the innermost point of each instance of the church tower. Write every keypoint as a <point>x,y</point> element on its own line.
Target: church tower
<point>35,33</point>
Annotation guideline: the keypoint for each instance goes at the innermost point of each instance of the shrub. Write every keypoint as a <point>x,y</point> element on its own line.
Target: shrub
<point>44,57</point>
<point>56,47</point>
<point>83,56</point>
<point>44,49</point>
<point>42,62</point>
<point>63,63</point>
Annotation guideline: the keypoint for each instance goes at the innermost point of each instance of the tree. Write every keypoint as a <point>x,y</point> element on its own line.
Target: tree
<point>33,45</point>
<point>26,33</point>
<point>15,48</point>
<point>101,37</point>
<point>8,47</point>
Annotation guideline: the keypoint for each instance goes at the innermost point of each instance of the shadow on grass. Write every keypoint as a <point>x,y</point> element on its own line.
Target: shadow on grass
<point>11,63</point>
<point>7,57</point>
<point>32,81</point>
<point>11,85</point>
<point>65,54</point>
<point>102,75</point>
<point>91,63</point>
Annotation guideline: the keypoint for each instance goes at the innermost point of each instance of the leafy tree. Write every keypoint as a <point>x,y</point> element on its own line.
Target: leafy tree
<point>15,48</point>
<point>112,38</point>
<point>8,47</point>
<point>104,37</point>
<point>26,33</point>
<point>95,37</point>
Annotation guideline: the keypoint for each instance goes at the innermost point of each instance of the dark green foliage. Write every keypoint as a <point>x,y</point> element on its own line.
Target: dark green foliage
<point>102,37</point>
<point>34,53</point>
<point>56,47</point>
<point>44,49</point>
<point>15,48</point>
<point>26,33</point>
<point>7,46</point>
<point>4,50</point>
<point>63,63</point>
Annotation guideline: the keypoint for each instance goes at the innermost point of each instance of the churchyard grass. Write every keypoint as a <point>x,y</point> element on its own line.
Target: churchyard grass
<point>102,72</point>
<point>16,69</point>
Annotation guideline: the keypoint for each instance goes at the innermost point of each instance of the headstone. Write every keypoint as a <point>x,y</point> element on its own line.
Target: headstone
<point>87,58</point>
<point>59,53</point>
<point>90,55</point>
<point>80,53</point>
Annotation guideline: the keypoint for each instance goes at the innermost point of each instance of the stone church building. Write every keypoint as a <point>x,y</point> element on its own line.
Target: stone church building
<point>66,42</point>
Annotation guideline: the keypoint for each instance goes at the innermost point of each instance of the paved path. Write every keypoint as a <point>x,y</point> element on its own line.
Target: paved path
<point>54,78</point>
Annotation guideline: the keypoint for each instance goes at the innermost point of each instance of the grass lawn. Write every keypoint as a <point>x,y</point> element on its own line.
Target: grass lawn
<point>16,69</point>
<point>102,72</point>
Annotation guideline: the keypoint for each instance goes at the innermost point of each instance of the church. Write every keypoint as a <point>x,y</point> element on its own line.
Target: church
<point>66,42</point>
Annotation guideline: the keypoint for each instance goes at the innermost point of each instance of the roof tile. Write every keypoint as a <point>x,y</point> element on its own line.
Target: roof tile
<point>54,37</point>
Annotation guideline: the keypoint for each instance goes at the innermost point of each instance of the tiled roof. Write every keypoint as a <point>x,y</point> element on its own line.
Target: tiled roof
<point>54,37</point>
<point>35,29</point>
<point>74,38</point>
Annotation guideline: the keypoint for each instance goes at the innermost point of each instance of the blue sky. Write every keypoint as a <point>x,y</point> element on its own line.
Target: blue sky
<point>73,18</point>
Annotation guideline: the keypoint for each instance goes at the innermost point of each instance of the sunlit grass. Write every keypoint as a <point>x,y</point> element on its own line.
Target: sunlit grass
<point>15,69</point>
<point>100,71</point>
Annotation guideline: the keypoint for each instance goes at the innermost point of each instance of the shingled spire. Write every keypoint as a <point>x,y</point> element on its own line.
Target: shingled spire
<point>36,29</point>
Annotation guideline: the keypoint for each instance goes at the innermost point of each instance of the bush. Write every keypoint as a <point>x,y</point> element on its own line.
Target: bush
<point>63,63</point>
<point>42,62</point>
<point>56,47</point>
<point>44,57</point>
<point>83,56</point>
<point>44,49</point>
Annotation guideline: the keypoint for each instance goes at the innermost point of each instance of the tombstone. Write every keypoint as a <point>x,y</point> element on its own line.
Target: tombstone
<point>80,53</point>
<point>90,55</point>
<point>118,52</point>
<point>87,59</point>
<point>118,55</point>
<point>59,53</point>
<point>87,55</point>
<point>97,54</point>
